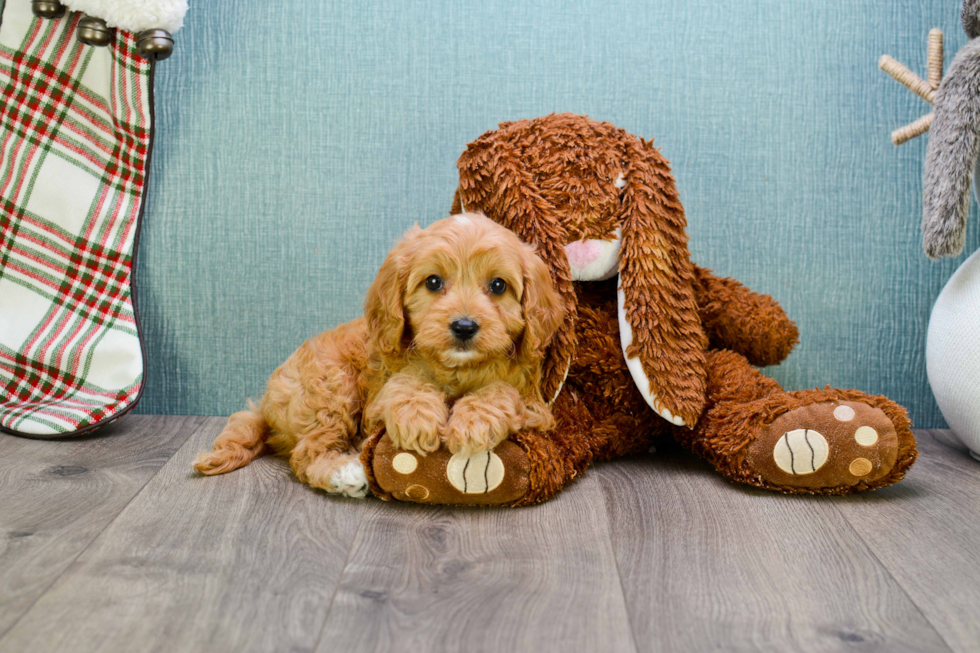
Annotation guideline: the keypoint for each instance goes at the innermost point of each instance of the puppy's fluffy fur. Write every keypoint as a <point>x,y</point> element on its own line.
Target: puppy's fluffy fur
<point>402,367</point>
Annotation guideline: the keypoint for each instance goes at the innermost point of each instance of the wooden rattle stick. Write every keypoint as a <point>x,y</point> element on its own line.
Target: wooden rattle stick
<point>910,131</point>
<point>907,78</point>
<point>935,57</point>
<point>925,90</point>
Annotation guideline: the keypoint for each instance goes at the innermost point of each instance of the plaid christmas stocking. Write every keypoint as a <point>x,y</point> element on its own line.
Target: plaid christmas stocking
<point>76,126</point>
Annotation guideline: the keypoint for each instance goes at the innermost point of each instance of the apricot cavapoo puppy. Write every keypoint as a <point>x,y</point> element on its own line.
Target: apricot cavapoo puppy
<point>449,351</point>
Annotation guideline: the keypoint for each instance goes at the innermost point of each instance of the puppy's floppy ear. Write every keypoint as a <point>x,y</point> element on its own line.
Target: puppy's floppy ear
<point>384,306</point>
<point>493,180</point>
<point>543,309</point>
<point>659,325</point>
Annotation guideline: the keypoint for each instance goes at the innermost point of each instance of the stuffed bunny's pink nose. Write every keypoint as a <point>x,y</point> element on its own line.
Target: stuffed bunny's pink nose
<point>582,252</point>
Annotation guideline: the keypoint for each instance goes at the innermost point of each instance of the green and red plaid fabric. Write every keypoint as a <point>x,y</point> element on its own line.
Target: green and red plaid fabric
<point>75,135</point>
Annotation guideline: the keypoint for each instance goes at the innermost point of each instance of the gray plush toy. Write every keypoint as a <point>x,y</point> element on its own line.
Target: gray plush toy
<point>954,142</point>
<point>952,343</point>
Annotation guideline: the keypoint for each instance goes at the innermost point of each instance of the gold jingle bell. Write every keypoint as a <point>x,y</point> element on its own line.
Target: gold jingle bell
<point>48,8</point>
<point>94,31</point>
<point>155,44</point>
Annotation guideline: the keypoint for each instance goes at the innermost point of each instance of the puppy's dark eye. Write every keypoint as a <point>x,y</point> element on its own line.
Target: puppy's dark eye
<point>434,283</point>
<point>498,286</point>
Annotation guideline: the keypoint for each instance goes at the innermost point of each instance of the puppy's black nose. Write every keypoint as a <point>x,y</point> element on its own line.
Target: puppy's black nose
<point>464,329</point>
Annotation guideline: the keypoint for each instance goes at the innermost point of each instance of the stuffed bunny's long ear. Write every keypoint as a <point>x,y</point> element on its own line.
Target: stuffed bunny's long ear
<point>660,330</point>
<point>493,181</point>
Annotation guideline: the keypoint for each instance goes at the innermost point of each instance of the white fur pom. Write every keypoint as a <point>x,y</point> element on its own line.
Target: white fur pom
<point>350,480</point>
<point>134,15</point>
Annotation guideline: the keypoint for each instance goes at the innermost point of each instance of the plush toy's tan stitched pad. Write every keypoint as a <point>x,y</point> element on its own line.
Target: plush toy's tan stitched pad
<point>826,444</point>
<point>490,478</point>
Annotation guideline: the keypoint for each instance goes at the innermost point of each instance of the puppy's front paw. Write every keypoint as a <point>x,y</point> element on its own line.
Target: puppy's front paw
<point>334,473</point>
<point>415,424</point>
<point>477,425</point>
<point>350,480</point>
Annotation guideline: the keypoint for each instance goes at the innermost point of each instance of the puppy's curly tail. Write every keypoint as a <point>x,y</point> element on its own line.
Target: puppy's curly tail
<point>241,442</point>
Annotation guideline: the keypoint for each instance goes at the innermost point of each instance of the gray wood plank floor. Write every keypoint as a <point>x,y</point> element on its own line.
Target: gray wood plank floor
<point>111,543</point>
<point>57,497</point>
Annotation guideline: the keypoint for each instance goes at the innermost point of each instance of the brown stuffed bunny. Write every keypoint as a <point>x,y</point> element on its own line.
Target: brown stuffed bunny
<point>652,345</point>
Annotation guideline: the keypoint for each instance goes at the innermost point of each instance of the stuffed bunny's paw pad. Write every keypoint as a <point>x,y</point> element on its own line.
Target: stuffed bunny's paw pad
<point>825,446</point>
<point>485,478</point>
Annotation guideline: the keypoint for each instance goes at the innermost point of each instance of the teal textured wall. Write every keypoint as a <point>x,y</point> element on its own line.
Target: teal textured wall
<point>297,140</point>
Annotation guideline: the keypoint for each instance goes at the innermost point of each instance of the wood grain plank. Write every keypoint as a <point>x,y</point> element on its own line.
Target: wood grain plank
<point>56,497</point>
<point>708,565</point>
<point>247,561</point>
<point>441,579</point>
<point>926,532</point>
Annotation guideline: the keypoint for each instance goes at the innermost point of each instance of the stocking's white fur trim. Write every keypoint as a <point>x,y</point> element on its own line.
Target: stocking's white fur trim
<point>134,15</point>
<point>636,367</point>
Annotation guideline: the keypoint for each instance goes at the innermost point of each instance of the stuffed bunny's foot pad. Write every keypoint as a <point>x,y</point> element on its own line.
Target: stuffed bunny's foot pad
<point>826,446</point>
<point>488,478</point>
